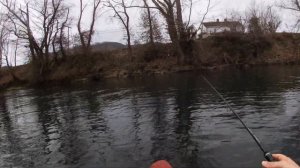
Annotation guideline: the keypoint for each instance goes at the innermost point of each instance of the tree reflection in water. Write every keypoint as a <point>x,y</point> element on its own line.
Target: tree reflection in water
<point>133,122</point>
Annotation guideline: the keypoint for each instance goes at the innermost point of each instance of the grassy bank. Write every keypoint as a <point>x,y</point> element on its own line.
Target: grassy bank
<point>240,50</point>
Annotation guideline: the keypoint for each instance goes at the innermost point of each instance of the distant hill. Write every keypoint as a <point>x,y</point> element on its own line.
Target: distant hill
<point>108,46</point>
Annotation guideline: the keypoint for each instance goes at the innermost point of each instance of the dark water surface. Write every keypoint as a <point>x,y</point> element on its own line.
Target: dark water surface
<point>132,122</point>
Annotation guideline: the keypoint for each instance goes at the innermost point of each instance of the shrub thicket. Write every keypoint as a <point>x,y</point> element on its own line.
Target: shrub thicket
<point>238,47</point>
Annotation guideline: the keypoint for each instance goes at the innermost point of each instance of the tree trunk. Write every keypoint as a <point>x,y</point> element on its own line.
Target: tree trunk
<point>54,50</point>
<point>183,40</point>
<point>16,50</point>
<point>0,54</point>
<point>129,43</point>
<point>81,36</point>
<point>61,46</point>
<point>179,20</point>
<point>150,23</point>
<point>175,39</point>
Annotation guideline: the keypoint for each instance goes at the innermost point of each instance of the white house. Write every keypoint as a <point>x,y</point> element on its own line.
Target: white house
<point>220,27</point>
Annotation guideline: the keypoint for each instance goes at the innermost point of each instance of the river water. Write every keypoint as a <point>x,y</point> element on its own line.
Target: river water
<point>130,123</point>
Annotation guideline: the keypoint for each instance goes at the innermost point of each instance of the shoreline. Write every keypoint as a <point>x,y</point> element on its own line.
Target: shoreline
<point>211,54</point>
<point>119,73</point>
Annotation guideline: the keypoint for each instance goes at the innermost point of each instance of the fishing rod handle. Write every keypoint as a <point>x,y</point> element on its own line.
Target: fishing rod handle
<point>269,157</point>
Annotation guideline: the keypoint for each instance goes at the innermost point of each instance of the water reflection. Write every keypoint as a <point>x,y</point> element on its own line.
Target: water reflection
<point>131,123</point>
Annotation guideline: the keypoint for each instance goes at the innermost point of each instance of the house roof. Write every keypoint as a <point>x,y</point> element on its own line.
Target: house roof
<point>222,24</point>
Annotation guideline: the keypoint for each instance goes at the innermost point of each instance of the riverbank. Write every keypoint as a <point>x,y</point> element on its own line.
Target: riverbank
<point>212,53</point>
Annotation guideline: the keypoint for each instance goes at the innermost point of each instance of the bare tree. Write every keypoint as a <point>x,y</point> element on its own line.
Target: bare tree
<point>179,20</point>
<point>86,35</point>
<point>181,33</point>
<point>5,44</point>
<point>151,28</point>
<point>167,10</point>
<point>262,19</point>
<point>60,40</point>
<point>35,22</point>
<point>149,20</point>
<point>291,5</point>
<point>5,51</point>
<point>235,15</point>
<point>4,34</point>
<point>16,51</point>
<point>20,19</point>
<point>120,12</point>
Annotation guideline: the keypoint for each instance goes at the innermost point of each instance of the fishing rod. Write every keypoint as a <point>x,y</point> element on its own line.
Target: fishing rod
<point>267,155</point>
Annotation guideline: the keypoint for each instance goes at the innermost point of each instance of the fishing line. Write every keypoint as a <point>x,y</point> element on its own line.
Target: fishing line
<point>267,155</point>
